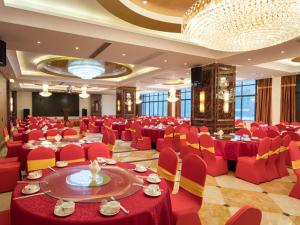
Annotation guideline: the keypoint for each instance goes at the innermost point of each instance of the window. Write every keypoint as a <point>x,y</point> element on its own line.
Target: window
<point>155,104</point>
<point>245,100</point>
<point>185,98</point>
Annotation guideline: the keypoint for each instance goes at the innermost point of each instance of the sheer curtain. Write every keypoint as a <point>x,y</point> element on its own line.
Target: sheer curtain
<point>263,100</point>
<point>288,99</point>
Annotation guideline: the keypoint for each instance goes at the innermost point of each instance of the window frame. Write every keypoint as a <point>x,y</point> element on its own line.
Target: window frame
<point>151,99</point>
<point>184,100</point>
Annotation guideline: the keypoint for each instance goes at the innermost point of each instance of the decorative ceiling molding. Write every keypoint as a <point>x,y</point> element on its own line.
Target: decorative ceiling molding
<point>102,47</point>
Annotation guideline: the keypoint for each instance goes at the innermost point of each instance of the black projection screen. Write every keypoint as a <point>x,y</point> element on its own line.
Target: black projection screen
<point>55,104</point>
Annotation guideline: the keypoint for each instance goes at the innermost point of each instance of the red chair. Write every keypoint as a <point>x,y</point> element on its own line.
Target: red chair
<point>40,158</point>
<point>294,136</point>
<point>167,166</point>
<point>133,135</point>
<point>272,172</point>
<point>242,132</point>
<point>126,134</point>
<point>204,130</point>
<point>72,153</point>
<point>246,215</point>
<point>280,127</point>
<point>105,137</point>
<point>295,124</point>
<point>259,133</point>
<point>50,134</point>
<point>16,135</point>
<point>111,141</point>
<point>285,147</point>
<point>33,126</point>
<point>59,126</point>
<point>180,138</point>
<point>284,123</point>
<point>192,145</point>
<point>239,123</point>
<point>93,128</point>
<point>295,157</point>
<point>70,133</point>
<point>167,141</point>
<point>193,129</point>
<point>98,150</point>
<point>9,174</point>
<point>253,169</point>
<point>69,124</point>
<point>83,129</point>
<point>187,202</point>
<point>5,217</point>
<point>216,165</point>
<point>143,143</point>
<point>274,128</point>
<point>272,133</point>
<point>283,155</point>
<point>35,135</point>
<point>14,148</point>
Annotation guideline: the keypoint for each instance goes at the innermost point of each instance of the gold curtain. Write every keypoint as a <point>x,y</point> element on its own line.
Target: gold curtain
<point>264,100</point>
<point>288,99</point>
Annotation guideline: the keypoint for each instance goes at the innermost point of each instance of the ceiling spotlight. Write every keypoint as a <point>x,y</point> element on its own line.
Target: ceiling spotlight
<point>165,60</point>
<point>145,2</point>
<point>76,48</point>
<point>11,80</point>
<point>185,64</point>
<point>249,59</point>
<point>123,54</point>
<point>38,42</point>
<point>282,52</point>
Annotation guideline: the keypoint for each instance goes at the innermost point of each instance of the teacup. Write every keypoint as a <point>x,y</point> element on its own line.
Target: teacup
<point>111,207</point>
<point>31,188</point>
<point>65,208</point>
<point>153,177</point>
<point>111,161</point>
<point>61,163</point>
<point>153,189</point>
<point>139,167</point>
<point>35,174</point>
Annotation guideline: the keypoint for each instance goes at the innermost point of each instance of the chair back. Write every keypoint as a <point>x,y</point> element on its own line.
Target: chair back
<point>193,175</point>
<point>280,127</point>
<point>33,126</point>
<point>274,128</point>
<point>294,136</point>
<point>275,146</point>
<point>98,150</point>
<point>207,144</point>
<point>263,149</point>
<point>111,140</point>
<point>133,131</point>
<point>12,128</point>
<point>259,133</point>
<point>35,135</point>
<point>167,165</point>
<point>243,131</point>
<point>295,155</point>
<point>138,132</point>
<point>192,140</point>
<point>5,134</point>
<point>295,124</point>
<point>105,137</point>
<point>272,133</point>
<point>70,133</point>
<point>193,129</point>
<point>204,130</point>
<point>72,153</point>
<point>52,133</point>
<point>246,215</point>
<point>169,133</point>
<point>82,129</point>
<point>40,158</point>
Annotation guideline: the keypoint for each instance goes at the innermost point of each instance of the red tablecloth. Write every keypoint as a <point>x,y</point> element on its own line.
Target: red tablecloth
<point>144,210</point>
<point>231,150</point>
<point>119,128</point>
<point>99,123</point>
<point>153,133</point>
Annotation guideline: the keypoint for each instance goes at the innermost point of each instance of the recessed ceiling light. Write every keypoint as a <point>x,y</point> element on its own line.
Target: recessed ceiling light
<point>249,59</point>
<point>185,64</point>
<point>145,2</point>
<point>76,48</point>
<point>123,54</point>
<point>38,42</point>
<point>282,52</point>
<point>165,60</point>
<point>11,80</point>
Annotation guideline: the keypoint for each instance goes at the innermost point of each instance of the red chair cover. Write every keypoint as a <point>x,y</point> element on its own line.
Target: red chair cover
<point>72,153</point>
<point>272,133</point>
<point>283,157</point>
<point>16,135</point>
<point>295,158</point>
<point>253,169</point>
<point>143,143</point>
<point>204,130</point>
<point>259,133</point>
<point>280,127</point>
<point>216,165</point>
<point>40,158</point>
<point>5,217</point>
<point>194,129</point>
<point>180,138</point>
<point>126,134</point>
<point>168,139</point>
<point>133,135</point>
<point>167,166</point>
<point>52,133</point>
<point>192,145</point>
<point>93,129</point>
<point>187,202</point>
<point>70,133</point>
<point>98,150</point>
<point>243,131</point>
<point>35,135</point>
<point>105,137</point>
<point>246,215</point>
<point>9,175</point>
<point>272,172</point>
<point>111,141</point>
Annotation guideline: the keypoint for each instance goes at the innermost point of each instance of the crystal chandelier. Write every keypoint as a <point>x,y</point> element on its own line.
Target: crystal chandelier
<point>84,93</point>
<point>241,25</point>
<point>86,68</point>
<point>172,95</point>
<point>45,92</point>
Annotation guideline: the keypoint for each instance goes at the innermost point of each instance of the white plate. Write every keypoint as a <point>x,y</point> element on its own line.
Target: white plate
<point>141,170</point>
<point>154,181</point>
<point>33,191</point>
<point>61,164</point>
<point>107,213</point>
<point>60,213</point>
<point>111,162</point>
<point>146,191</point>
<point>101,159</point>
<point>38,174</point>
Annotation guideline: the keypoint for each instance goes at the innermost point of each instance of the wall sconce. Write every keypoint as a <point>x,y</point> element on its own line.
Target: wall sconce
<point>11,105</point>
<point>128,102</point>
<point>119,105</point>
<point>226,102</point>
<point>202,101</point>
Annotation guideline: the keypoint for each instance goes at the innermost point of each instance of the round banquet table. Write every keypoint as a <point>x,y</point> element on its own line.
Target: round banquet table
<point>153,133</point>
<point>232,150</point>
<point>119,127</point>
<point>37,210</point>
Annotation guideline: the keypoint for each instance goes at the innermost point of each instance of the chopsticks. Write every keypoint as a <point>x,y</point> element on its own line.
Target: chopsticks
<point>49,167</point>
<point>126,211</point>
<point>27,196</point>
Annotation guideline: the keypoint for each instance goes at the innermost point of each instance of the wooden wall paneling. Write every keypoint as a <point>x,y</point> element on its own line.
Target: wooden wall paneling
<point>122,109</point>
<point>96,105</point>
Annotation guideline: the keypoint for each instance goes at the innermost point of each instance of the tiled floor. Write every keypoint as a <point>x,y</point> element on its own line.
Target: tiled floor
<point>223,195</point>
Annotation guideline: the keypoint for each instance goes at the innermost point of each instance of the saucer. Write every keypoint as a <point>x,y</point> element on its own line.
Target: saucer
<point>157,181</point>
<point>32,191</point>
<point>61,164</point>
<point>147,192</point>
<point>101,159</point>
<point>60,213</point>
<point>111,161</point>
<point>35,175</point>
<point>140,170</point>
<point>103,212</point>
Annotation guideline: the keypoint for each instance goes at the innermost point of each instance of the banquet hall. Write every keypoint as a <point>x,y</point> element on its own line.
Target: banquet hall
<point>150,112</point>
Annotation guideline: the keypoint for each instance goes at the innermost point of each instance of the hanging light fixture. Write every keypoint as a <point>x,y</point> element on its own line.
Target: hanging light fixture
<point>239,25</point>
<point>86,68</point>
<point>84,93</point>
<point>172,95</point>
<point>45,92</point>
<point>128,102</point>
<point>138,98</point>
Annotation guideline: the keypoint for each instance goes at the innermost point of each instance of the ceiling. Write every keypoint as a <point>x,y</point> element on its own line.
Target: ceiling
<point>75,28</point>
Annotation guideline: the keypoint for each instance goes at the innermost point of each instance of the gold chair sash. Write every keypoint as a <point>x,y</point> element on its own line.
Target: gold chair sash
<point>182,137</point>
<point>296,164</point>
<point>39,164</point>
<point>275,152</point>
<point>6,138</point>
<point>195,145</point>
<point>298,143</point>
<point>76,160</point>
<point>264,156</point>
<point>284,148</point>
<point>168,135</point>
<point>71,136</point>
<point>165,174</point>
<point>191,186</point>
<point>209,149</point>
<point>111,147</point>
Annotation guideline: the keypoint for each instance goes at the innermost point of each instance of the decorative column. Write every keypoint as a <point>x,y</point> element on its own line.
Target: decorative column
<point>96,105</point>
<point>125,102</point>
<point>213,97</point>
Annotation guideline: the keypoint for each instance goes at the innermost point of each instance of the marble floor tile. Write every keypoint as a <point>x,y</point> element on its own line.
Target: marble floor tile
<point>210,181</point>
<point>5,199</point>
<point>295,219</point>
<point>277,187</point>
<point>213,214</point>
<point>287,204</point>
<point>213,194</point>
